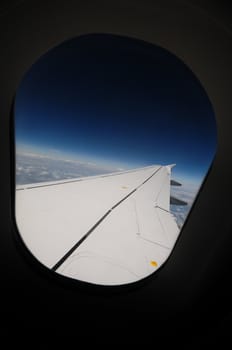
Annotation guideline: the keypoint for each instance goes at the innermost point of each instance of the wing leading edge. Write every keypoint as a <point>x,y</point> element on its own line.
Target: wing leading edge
<point>109,230</point>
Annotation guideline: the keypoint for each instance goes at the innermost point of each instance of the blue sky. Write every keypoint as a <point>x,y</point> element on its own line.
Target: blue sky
<point>116,101</point>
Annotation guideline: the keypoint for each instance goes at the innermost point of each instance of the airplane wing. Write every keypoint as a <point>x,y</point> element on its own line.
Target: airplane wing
<point>111,229</point>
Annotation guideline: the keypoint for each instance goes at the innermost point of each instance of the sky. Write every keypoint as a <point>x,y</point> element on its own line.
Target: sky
<point>116,101</point>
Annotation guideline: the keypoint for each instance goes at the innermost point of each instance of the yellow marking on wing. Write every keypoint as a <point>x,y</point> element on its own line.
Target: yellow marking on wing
<point>153,263</point>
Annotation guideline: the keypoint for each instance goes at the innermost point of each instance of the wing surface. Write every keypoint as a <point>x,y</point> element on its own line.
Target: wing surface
<point>109,229</point>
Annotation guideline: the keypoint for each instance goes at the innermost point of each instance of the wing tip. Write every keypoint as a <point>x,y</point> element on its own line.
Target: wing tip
<point>169,168</point>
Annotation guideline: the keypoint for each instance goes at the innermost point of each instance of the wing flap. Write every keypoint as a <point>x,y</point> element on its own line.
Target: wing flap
<point>120,255</point>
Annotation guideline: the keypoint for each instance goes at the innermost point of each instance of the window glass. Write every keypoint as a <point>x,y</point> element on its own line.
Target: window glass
<point>114,137</point>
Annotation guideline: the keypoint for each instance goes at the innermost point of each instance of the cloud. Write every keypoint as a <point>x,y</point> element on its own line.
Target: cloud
<point>33,168</point>
<point>187,192</point>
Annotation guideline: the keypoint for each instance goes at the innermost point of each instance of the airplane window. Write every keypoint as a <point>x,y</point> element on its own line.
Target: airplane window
<point>114,137</point>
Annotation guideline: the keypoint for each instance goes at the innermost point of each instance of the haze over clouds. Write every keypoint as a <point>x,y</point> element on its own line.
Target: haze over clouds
<point>33,168</point>
<point>187,192</point>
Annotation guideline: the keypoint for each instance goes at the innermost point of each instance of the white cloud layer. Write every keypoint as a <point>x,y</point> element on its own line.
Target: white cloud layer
<point>33,168</point>
<point>187,192</point>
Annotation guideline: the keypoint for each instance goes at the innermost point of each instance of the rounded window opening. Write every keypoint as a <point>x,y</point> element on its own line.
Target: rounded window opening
<point>114,137</point>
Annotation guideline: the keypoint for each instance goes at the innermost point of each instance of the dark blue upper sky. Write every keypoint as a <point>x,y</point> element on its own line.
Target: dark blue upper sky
<point>119,101</point>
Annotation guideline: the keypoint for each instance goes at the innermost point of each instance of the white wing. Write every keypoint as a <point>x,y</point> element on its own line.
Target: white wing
<point>109,229</point>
